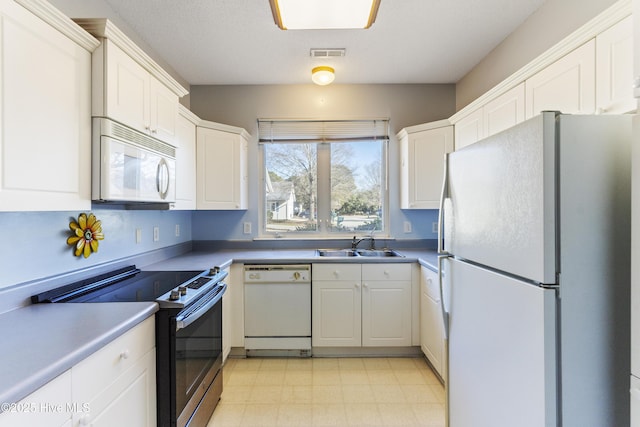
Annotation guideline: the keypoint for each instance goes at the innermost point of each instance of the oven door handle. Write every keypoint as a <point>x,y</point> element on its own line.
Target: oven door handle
<point>190,315</point>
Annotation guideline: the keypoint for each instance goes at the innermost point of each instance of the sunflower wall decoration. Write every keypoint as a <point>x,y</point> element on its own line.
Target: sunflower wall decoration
<point>86,233</point>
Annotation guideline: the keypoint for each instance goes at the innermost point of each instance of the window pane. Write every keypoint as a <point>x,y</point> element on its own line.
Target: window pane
<point>356,186</point>
<point>291,187</point>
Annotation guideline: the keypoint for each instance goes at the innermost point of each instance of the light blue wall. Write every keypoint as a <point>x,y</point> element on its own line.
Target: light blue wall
<point>33,244</point>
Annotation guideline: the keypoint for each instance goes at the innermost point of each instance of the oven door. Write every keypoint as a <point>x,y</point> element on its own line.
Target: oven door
<point>198,360</point>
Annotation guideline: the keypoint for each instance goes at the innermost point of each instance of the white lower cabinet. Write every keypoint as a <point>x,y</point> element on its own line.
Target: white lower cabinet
<point>361,305</point>
<point>115,386</point>
<point>431,323</point>
<point>40,408</point>
<point>118,382</point>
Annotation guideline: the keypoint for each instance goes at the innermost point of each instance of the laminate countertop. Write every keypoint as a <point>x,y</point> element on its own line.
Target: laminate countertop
<point>42,341</point>
<point>201,260</point>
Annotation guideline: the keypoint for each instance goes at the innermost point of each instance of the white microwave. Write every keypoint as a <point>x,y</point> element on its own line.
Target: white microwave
<point>129,166</point>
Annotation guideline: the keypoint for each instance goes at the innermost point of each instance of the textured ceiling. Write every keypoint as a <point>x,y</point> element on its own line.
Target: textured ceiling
<point>237,42</point>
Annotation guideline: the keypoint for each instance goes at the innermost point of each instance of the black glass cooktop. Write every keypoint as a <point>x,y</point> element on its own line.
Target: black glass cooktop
<point>125,285</point>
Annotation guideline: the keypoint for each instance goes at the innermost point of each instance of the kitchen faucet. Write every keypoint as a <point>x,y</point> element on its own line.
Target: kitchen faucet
<point>355,242</point>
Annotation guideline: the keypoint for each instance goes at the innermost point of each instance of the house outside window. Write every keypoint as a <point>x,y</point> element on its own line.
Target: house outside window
<point>324,178</point>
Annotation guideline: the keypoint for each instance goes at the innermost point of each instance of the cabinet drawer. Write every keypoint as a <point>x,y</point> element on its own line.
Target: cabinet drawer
<point>101,368</point>
<point>386,271</point>
<point>336,272</point>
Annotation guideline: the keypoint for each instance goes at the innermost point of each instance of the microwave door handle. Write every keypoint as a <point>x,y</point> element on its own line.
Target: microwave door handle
<point>162,178</point>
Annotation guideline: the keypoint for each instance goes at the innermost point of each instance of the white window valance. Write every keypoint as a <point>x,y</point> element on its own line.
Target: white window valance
<point>308,131</point>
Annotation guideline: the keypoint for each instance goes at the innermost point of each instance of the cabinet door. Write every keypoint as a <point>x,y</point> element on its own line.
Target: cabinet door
<point>386,305</point>
<point>469,129</point>
<point>40,407</point>
<point>567,85</point>
<point>163,111</point>
<point>127,90</point>
<point>119,381</point>
<point>45,116</point>
<point>614,69</point>
<point>425,167</point>
<point>336,313</point>
<point>185,164</point>
<point>221,170</point>
<point>130,400</point>
<point>505,111</point>
<point>386,313</point>
<point>431,324</point>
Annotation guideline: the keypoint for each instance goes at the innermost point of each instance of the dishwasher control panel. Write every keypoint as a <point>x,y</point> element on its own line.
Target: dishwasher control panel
<point>277,273</point>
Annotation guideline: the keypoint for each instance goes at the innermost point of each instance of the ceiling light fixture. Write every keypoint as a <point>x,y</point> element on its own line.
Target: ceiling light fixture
<point>324,14</point>
<point>323,75</point>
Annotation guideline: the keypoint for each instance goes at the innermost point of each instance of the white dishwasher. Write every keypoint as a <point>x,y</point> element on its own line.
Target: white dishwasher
<point>277,310</point>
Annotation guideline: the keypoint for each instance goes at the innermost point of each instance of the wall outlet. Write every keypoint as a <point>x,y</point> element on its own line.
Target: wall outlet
<point>156,234</point>
<point>407,227</point>
<point>177,230</point>
<point>247,228</point>
<point>138,235</point>
<point>434,227</point>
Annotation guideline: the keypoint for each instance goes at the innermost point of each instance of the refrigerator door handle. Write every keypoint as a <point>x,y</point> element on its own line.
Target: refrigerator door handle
<point>445,313</point>
<point>443,195</point>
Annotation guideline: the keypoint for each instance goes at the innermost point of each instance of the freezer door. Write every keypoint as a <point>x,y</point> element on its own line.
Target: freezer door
<point>502,350</point>
<point>500,210</point>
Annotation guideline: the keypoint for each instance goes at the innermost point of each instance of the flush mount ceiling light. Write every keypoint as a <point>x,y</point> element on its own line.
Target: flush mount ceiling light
<point>322,75</point>
<point>324,14</point>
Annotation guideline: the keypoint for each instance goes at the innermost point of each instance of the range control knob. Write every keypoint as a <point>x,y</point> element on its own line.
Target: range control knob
<point>174,295</point>
<point>182,290</point>
<point>213,271</point>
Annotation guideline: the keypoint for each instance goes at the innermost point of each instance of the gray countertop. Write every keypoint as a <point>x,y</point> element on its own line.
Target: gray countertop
<point>42,341</point>
<point>201,260</point>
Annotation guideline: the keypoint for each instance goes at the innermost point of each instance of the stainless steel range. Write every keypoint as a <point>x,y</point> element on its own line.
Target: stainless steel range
<point>188,333</point>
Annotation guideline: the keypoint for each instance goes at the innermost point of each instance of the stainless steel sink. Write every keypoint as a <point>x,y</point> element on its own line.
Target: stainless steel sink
<point>336,252</point>
<point>359,252</point>
<point>378,253</point>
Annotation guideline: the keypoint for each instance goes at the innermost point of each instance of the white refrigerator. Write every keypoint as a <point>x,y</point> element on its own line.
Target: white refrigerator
<point>535,270</point>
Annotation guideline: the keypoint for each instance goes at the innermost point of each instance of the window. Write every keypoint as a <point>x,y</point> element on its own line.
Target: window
<point>324,178</point>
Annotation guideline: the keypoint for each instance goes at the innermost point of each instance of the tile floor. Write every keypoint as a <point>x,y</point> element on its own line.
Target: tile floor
<point>329,392</point>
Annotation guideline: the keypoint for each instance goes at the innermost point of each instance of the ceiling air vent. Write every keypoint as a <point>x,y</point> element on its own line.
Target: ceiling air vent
<point>328,53</point>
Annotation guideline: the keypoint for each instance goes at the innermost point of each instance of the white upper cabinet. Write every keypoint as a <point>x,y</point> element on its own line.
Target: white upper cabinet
<point>499,114</point>
<point>422,163</point>
<point>129,87</point>
<point>505,111</point>
<point>45,115</point>
<point>221,165</point>
<point>614,69</point>
<point>185,160</point>
<point>469,129</point>
<point>590,71</point>
<point>568,85</point>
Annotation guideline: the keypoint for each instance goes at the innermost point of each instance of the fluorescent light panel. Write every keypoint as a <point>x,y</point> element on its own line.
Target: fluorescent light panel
<point>324,14</point>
